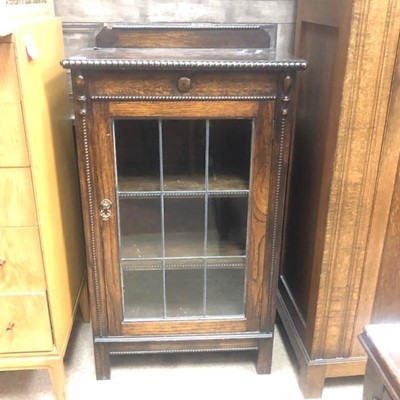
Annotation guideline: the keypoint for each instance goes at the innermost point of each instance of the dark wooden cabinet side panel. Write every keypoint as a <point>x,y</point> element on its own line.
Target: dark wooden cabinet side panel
<point>86,160</point>
<point>282,138</point>
<point>107,228</point>
<point>301,257</point>
<point>387,300</point>
<point>257,235</point>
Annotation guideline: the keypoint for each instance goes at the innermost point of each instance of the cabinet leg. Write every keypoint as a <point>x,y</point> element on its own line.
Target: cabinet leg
<point>264,356</point>
<point>84,303</point>
<point>311,380</point>
<point>57,375</point>
<point>102,361</point>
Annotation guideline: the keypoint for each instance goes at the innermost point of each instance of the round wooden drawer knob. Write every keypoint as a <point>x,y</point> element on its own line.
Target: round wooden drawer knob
<point>184,84</point>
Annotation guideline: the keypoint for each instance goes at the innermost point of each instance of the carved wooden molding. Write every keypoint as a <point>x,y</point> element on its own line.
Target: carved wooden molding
<point>183,65</point>
<point>181,98</point>
<point>80,84</point>
<point>370,62</point>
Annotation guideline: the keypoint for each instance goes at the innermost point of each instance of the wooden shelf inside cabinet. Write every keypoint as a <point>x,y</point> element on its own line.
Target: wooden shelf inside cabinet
<point>183,153</point>
<point>228,183</point>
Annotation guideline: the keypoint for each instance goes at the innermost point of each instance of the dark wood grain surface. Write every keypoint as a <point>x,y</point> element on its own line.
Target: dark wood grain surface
<point>381,341</point>
<point>260,102</point>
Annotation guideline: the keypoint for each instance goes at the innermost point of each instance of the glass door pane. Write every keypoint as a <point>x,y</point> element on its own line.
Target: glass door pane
<point>227,226</point>
<point>140,228</point>
<point>137,155</point>
<point>183,188</point>
<point>184,227</point>
<point>183,144</point>
<point>143,293</point>
<point>184,292</point>
<point>225,286</point>
<point>230,150</point>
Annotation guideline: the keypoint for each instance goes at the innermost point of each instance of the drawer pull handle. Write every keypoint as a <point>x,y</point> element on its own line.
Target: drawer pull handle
<point>184,84</point>
<point>105,211</point>
<point>2,262</point>
<point>10,326</point>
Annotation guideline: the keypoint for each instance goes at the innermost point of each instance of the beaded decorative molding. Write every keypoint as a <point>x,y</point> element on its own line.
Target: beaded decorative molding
<point>183,65</point>
<point>183,98</point>
<point>196,26</point>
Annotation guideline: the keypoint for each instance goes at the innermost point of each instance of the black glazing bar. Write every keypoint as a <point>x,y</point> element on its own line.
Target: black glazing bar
<point>207,159</point>
<point>160,140</point>
<point>184,193</point>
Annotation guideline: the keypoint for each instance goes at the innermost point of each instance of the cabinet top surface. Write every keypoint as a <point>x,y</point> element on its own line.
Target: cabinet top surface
<point>209,47</point>
<point>381,341</point>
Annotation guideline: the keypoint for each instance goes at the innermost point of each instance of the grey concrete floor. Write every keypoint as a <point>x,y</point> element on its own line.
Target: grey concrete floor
<point>175,376</point>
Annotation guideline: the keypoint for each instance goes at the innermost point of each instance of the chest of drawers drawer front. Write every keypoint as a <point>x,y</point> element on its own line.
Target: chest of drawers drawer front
<point>21,268</point>
<point>24,323</point>
<point>170,83</point>
<point>9,86</point>
<point>13,147</point>
<point>16,198</point>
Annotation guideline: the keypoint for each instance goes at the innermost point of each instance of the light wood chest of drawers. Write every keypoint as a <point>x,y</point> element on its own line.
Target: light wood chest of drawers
<point>41,252</point>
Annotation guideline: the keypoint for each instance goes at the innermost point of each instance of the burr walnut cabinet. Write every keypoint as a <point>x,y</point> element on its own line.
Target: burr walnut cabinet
<point>183,135</point>
<point>42,259</point>
<point>339,254</point>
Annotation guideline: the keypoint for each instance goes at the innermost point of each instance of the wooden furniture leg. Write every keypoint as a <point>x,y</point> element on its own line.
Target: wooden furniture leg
<point>311,380</point>
<point>264,356</point>
<point>102,361</point>
<point>57,375</point>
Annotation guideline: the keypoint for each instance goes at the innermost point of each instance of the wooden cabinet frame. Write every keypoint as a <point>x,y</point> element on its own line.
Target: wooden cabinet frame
<point>128,87</point>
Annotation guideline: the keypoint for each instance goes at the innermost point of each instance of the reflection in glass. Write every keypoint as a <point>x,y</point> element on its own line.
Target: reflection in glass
<point>183,144</point>
<point>143,294</point>
<point>184,227</point>
<point>140,228</point>
<point>227,226</point>
<point>230,148</point>
<point>137,154</point>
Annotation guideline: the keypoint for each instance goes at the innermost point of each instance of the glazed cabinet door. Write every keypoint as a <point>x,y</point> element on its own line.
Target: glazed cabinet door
<point>181,192</point>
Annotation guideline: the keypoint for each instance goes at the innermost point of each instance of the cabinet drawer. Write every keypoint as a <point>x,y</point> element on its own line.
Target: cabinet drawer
<point>24,323</point>
<point>183,83</point>
<point>16,198</point>
<point>14,152</point>
<point>9,87</point>
<point>21,265</point>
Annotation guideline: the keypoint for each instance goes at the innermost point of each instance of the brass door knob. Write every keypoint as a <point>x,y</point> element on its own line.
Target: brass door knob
<point>184,84</point>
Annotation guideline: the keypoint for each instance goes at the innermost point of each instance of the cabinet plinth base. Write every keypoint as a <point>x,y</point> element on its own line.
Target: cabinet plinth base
<point>104,347</point>
<point>53,363</point>
<point>313,372</point>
